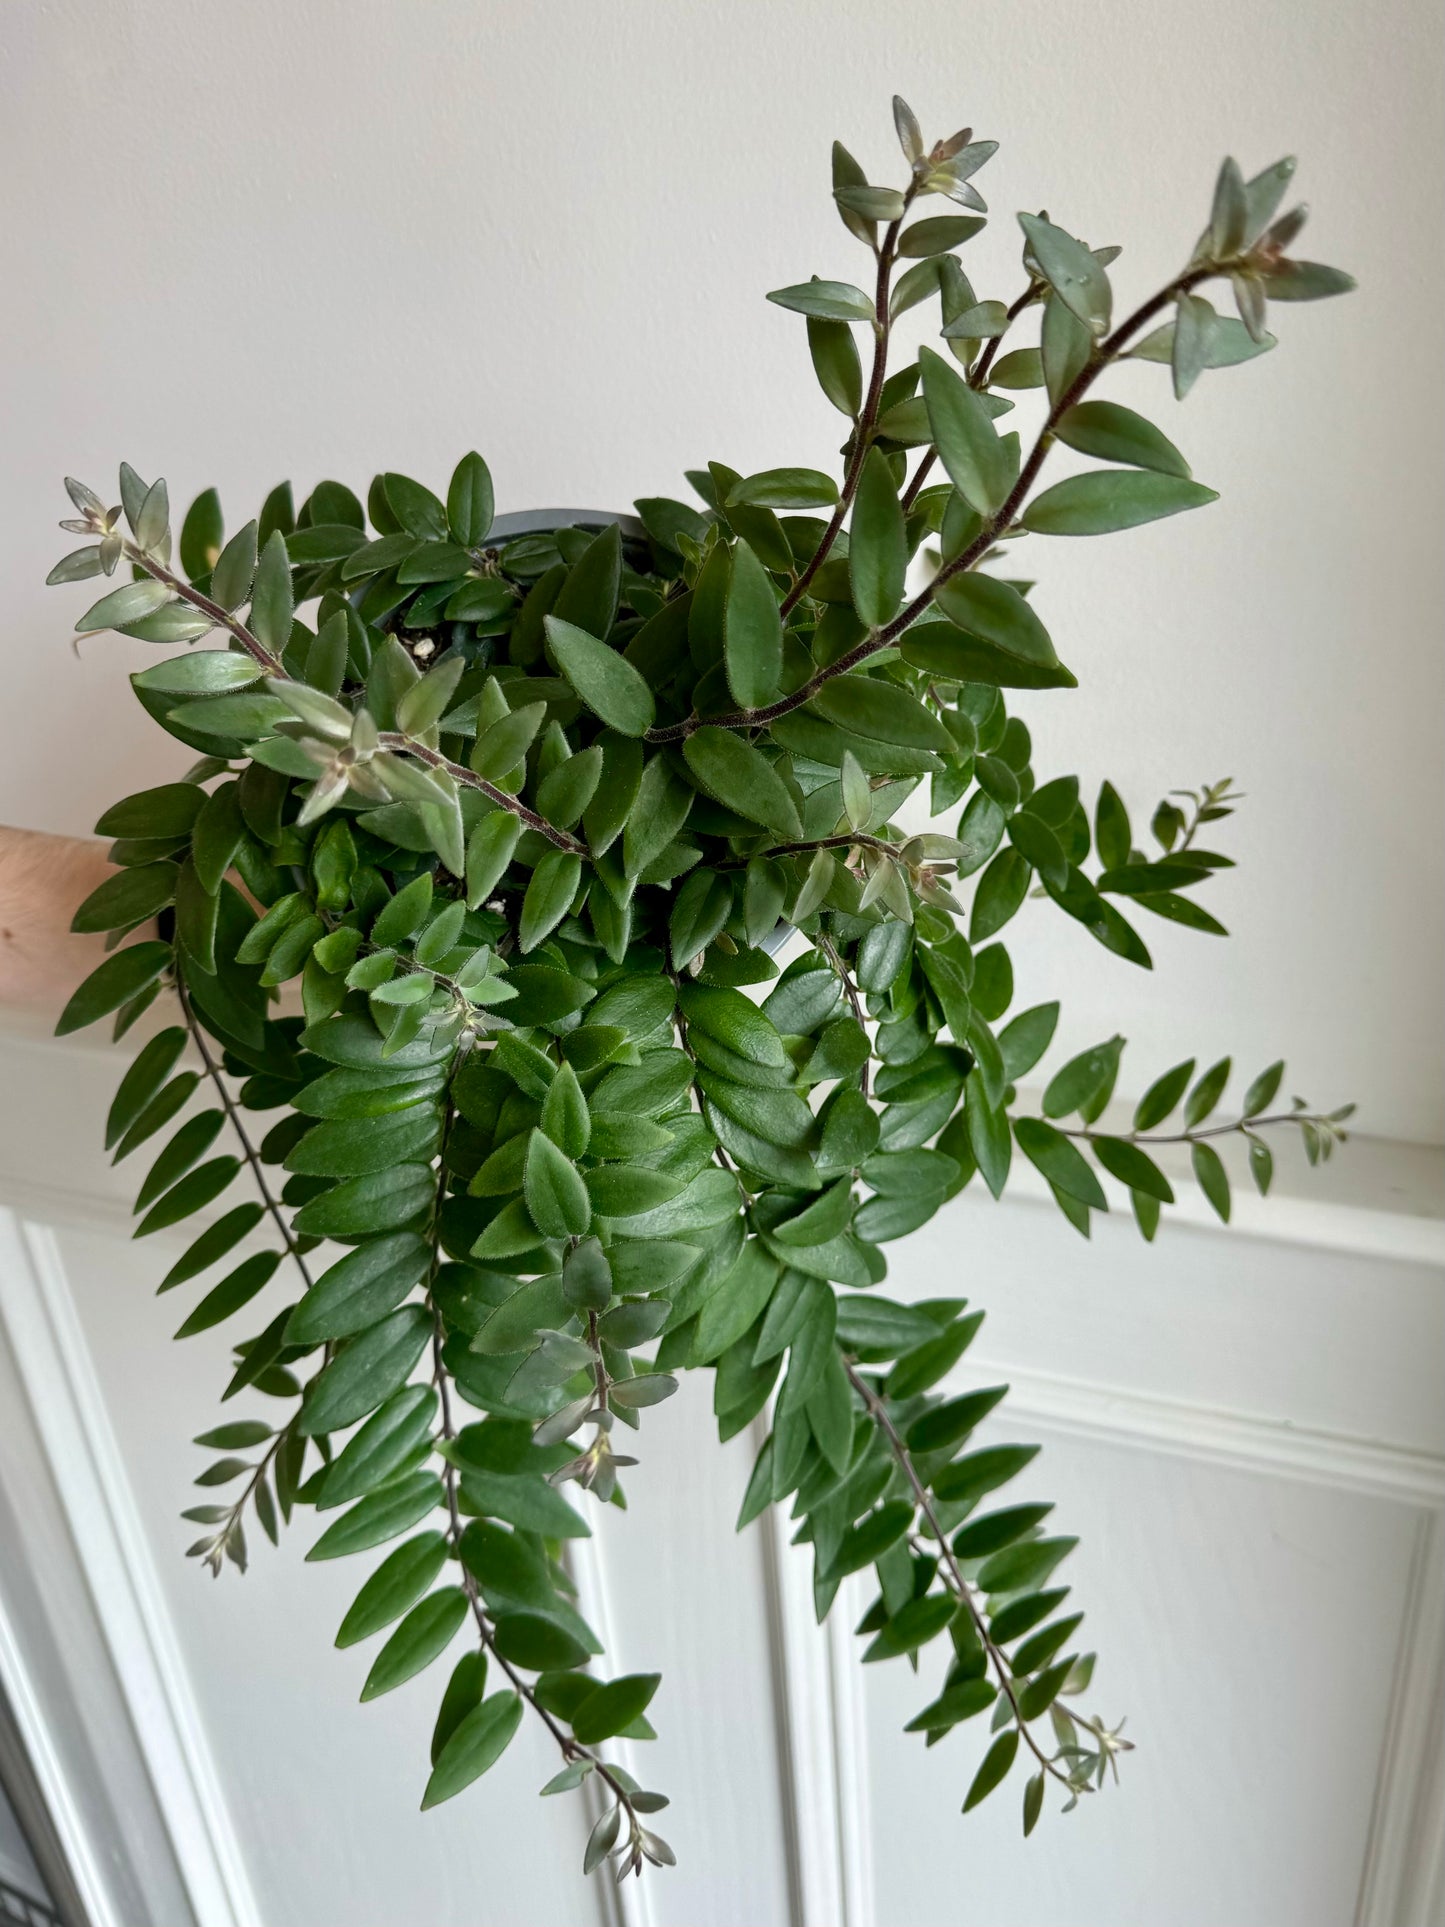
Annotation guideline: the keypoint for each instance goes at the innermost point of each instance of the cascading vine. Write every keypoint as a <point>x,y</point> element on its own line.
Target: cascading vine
<point>472,896</point>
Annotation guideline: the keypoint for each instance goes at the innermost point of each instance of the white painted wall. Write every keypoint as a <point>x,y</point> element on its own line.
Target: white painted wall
<point>1246,1430</point>
<point>323,238</point>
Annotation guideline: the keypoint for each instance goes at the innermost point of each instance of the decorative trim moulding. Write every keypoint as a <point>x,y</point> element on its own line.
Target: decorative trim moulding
<point>50,1349</point>
<point>1314,1223</point>
<point>1278,1447</point>
<point>1403,1873</point>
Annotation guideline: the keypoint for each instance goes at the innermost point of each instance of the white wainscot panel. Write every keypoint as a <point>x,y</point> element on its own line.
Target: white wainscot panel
<point>690,1597</point>
<point>1249,1625</point>
<point>324,1793</point>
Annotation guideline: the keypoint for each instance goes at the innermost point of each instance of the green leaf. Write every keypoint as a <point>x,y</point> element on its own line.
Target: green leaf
<point>168,811</point>
<point>380,1516</point>
<point>1023,1041</point>
<point>213,1244</point>
<point>191,1142</point>
<point>537,1643</point>
<point>236,1289</point>
<point>1084,1084</point>
<point>526,1502</point>
<point>132,602</point>
<point>205,672</point>
<point>605,680</point>
<point>752,632</point>
<point>463,1694</point>
<point>360,1289</point>
<point>470,502</point>
<point>700,909</point>
<point>994,614</point>
<point>365,1372</point>
<point>1162,1096</point>
<point>609,1709</point>
<point>152,1066</point>
<point>478,1743</point>
<point>946,1424</point>
<point>428,699</point>
<point>400,1579</point>
<point>360,1207</point>
<point>1074,274</point>
<point>871,707</point>
<point>380,1447</point>
<point>1109,499</point>
<point>1112,832</point>
<point>878,544</point>
<point>1115,434</point>
<point>193,1193</point>
<point>978,463</point>
<point>938,235</point>
<point>827,300</point>
<point>785,488</point>
<point>1061,1162</point>
<point>1206,1093</point>
<point>836,364</point>
<point>927,1363</point>
<point>422,1636</point>
<point>129,897</point>
<point>1133,1167</point>
<point>415,508</point>
<point>967,1480</point>
<point>1306,281</point>
<point>556,1195</point>
<point>1261,1093</point>
<point>548,897</point>
<point>489,851</point>
<point>1212,1178</point>
<point>740,776</point>
<point>273,607</point>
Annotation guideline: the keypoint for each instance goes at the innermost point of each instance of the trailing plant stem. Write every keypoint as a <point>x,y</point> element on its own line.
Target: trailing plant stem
<point>233,1116</point>
<point>878,1412</point>
<point>881,638</point>
<point>867,415</point>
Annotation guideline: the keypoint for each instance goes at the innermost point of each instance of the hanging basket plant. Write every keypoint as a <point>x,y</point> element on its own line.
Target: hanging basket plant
<point>478,1058</point>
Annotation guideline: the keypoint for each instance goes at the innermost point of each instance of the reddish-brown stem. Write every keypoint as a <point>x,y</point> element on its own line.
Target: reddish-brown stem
<point>996,524</point>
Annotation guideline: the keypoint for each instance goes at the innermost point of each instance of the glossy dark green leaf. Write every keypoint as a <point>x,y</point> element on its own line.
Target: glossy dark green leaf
<point>366,1371</point>
<point>122,976</point>
<point>996,1763</point>
<point>359,1207</point>
<point>360,1289</point>
<point>752,632</point>
<point>605,680</point>
<point>740,776</point>
<point>380,1516</point>
<point>470,501</point>
<point>556,1195</point>
<point>1108,499</point>
<point>878,548</point>
<point>1113,433</point>
<point>424,1635</point>
<point>380,1447</point>
<point>129,897</point>
<point>194,1192</point>
<point>1061,1161</point>
<point>978,462</point>
<point>398,1581</point>
<point>478,1743</point>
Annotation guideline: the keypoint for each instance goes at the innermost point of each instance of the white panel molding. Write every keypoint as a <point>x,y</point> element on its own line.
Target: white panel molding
<point>85,1458</point>
<point>1091,1410</point>
<point>1403,1877</point>
<point>64,1812</point>
<point>1403,1880</point>
<point>630,1903</point>
<point>823,1739</point>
